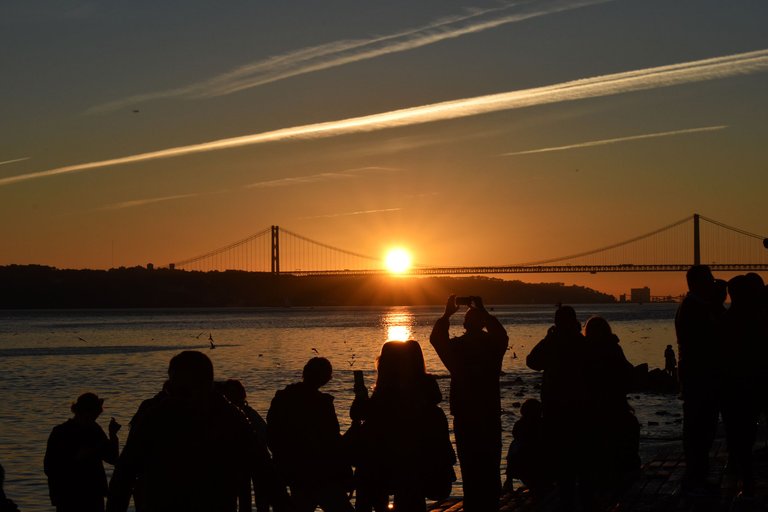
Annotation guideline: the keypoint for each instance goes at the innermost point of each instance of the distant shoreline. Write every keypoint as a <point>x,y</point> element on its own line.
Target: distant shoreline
<point>42,287</point>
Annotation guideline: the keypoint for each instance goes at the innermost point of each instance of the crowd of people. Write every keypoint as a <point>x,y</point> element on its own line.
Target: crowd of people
<point>198,446</point>
<point>723,372</point>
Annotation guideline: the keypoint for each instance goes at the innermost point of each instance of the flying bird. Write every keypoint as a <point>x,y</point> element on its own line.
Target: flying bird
<point>81,339</point>
<point>315,351</point>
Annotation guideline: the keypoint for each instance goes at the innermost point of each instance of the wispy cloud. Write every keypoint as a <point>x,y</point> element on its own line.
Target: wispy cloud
<point>339,53</point>
<point>143,202</point>
<point>349,214</point>
<point>315,178</point>
<point>599,86</point>
<point>603,142</point>
<point>14,160</point>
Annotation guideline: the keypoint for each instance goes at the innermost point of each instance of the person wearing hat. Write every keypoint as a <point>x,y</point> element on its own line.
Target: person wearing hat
<point>73,458</point>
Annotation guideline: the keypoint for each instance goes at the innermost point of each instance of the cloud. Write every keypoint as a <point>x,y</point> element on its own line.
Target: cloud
<point>339,53</point>
<point>14,160</point>
<point>143,202</point>
<point>315,178</point>
<point>599,86</point>
<point>603,142</point>
<point>349,214</point>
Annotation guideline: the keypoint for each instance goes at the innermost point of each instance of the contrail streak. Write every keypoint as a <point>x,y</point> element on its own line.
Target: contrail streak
<point>143,202</point>
<point>315,178</point>
<point>599,86</point>
<point>619,139</point>
<point>14,160</point>
<point>350,214</point>
<point>339,53</point>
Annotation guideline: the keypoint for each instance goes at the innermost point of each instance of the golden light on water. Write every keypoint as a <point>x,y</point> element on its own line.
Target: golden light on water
<point>399,325</point>
<point>398,333</point>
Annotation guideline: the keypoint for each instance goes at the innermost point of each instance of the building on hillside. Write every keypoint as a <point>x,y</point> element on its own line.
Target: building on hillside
<point>640,295</point>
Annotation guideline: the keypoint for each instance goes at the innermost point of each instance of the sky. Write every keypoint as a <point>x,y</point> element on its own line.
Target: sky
<point>471,133</point>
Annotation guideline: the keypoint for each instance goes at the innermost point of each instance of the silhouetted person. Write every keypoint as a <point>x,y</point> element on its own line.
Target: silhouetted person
<point>561,355</point>
<point>194,450</point>
<point>148,404</point>
<point>611,432</point>
<point>73,458</point>
<point>6,504</point>
<point>406,449</point>
<point>526,457</point>
<point>745,333</point>
<point>266,486</point>
<point>304,436</point>
<point>144,406</point>
<point>670,361</point>
<point>474,362</point>
<point>698,325</point>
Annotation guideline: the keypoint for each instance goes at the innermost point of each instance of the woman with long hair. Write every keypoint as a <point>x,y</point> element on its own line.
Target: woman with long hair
<point>405,450</point>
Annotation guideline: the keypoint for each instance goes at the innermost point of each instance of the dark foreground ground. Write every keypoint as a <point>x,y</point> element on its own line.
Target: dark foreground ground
<point>658,487</point>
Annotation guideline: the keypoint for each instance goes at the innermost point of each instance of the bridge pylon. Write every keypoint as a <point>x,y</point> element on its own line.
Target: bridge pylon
<point>275,249</point>
<point>696,240</point>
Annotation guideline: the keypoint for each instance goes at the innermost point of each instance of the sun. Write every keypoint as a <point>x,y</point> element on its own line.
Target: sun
<point>398,260</point>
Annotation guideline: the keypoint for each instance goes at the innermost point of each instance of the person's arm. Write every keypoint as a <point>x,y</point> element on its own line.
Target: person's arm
<point>439,337</point>
<point>112,446</point>
<point>126,469</point>
<point>493,325</point>
<point>537,358</point>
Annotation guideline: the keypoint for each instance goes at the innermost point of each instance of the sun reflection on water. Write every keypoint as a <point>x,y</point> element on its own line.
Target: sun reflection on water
<point>399,325</point>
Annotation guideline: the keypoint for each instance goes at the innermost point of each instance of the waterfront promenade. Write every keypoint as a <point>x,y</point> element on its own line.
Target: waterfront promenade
<point>658,487</point>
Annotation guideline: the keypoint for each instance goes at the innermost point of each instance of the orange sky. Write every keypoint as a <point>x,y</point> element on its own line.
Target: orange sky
<point>487,134</point>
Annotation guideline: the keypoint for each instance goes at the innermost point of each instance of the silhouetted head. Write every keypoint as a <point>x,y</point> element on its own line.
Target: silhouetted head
<point>746,289</point>
<point>719,291</point>
<point>234,391</point>
<point>700,279</point>
<point>399,363</point>
<point>669,346</point>
<point>190,374</point>
<point>88,406</point>
<point>597,327</point>
<point>474,320</point>
<point>317,372</point>
<point>565,319</point>
<point>531,408</point>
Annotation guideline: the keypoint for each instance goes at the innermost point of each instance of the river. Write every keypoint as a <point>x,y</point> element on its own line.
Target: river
<point>48,358</point>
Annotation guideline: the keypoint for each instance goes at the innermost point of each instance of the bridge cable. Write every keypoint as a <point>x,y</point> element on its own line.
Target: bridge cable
<point>608,247</point>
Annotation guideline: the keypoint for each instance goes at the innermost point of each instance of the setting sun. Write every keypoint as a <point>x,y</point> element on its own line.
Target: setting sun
<point>398,260</point>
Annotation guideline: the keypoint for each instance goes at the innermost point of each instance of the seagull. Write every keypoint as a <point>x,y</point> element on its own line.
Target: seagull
<point>81,339</point>
<point>212,345</point>
<point>198,336</point>
<point>210,340</point>
<point>315,351</point>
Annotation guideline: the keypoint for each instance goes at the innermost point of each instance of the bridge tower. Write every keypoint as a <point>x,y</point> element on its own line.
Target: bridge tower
<point>696,240</point>
<point>275,249</point>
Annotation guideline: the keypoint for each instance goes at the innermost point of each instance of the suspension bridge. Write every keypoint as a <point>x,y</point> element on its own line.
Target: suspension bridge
<point>673,248</point>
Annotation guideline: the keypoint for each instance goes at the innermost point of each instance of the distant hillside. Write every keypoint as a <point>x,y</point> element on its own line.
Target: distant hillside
<point>35,286</point>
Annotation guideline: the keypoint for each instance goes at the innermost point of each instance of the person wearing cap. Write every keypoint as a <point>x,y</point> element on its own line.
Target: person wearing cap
<point>474,362</point>
<point>74,458</point>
